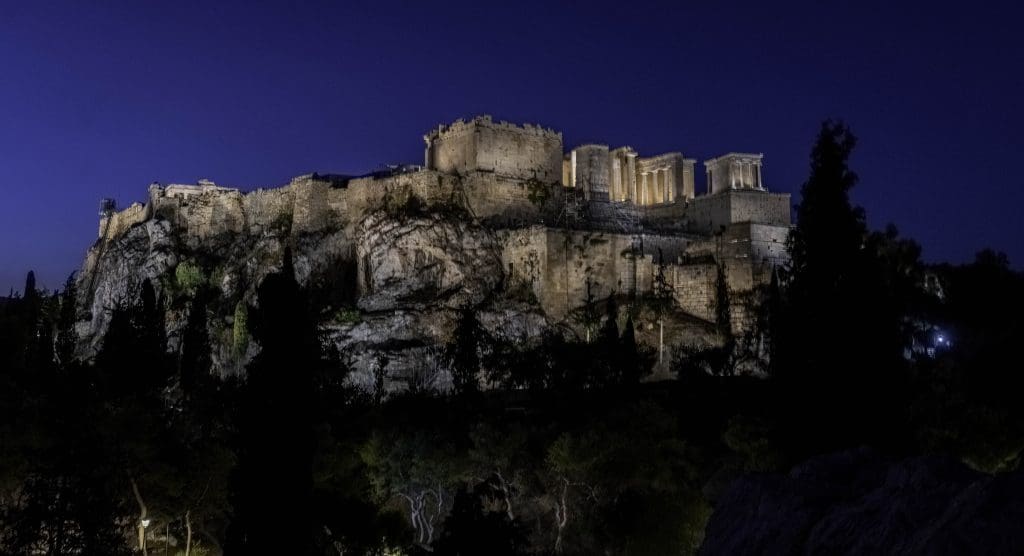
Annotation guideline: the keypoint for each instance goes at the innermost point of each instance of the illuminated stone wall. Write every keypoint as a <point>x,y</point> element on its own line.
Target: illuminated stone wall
<point>503,148</point>
<point>710,213</point>
<point>116,223</point>
<point>486,169</point>
<point>589,170</point>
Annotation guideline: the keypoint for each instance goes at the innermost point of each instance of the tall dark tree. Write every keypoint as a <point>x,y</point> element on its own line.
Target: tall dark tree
<point>839,353</point>
<point>31,312</point>
<point>629,359</point>
<point>463,352</point>
<point>610,328</point>
<point>66,338</point>
<point>194,360</point>
<point>272,486</point>
<point>723,313</point>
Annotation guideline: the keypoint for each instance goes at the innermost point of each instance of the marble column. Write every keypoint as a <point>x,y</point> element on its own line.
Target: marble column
<point>759,184</point>
<point>643,189</point>
<point>616,187</point>
<point>631,175</point>
<point>670,185</point>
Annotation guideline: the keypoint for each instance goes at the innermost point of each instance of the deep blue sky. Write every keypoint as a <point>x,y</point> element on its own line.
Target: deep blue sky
<point>100,99</point>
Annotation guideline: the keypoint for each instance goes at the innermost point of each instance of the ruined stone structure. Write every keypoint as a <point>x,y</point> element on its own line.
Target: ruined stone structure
<point>566,226</point>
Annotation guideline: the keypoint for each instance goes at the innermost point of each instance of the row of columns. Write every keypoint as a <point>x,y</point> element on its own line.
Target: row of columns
<point>654,190</point>
<point>747,173</point>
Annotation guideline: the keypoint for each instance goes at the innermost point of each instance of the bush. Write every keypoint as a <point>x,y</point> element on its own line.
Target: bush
<point>189,276</point>
<point>348,316</point>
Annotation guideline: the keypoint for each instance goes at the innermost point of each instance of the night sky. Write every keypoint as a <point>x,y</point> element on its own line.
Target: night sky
<point>98,102</point>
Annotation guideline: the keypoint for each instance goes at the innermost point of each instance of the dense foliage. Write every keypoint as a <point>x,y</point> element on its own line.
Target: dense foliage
<point>565,451</point>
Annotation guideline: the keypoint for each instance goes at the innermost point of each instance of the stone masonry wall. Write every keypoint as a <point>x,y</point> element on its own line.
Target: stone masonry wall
<point>502,148</point>
<point>116,224</point>
<point>512,152</point>
<point>578,258</point>
<point>312,211</point>
<point>760,207</point>
<point>694,288</point>
<point>203,216</point>
<point>709,213</point>
<point>264,208</point>
<point>364,195</point>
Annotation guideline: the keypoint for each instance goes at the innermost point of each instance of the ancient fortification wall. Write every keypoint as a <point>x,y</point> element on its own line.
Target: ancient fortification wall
<point>710,213</point>
<point>760,207</point>
<point>364,195</point>
<point>505,149</point>
<point>578,259</point>
<point>267,208</point>
<point>694,288</point>
<point>114,224</point>
<point>516,181</point>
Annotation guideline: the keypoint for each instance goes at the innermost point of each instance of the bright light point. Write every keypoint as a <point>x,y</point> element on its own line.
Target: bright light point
<point>145,523</point>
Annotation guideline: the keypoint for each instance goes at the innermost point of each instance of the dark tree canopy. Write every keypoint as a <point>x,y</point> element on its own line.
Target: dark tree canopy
<point>838,343</point>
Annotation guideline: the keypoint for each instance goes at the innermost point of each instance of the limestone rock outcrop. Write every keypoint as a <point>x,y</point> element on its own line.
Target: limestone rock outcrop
<point>426,261</point>
<point>388,288</point>
<point>500,220</point>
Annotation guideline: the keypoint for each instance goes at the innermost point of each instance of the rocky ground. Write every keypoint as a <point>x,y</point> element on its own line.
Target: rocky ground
<point>858,502</point>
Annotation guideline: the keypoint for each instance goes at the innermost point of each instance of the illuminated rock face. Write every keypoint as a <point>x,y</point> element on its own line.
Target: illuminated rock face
<point>425,261</point>
<point>499,209</point>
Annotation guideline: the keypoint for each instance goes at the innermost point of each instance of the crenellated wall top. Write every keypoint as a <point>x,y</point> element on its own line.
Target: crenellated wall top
<point>461,126</point>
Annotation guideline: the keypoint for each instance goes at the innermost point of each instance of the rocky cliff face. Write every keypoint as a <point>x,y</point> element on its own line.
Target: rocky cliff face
<point>427,261</point>
<point>389,288</point>
<point>390,263</point>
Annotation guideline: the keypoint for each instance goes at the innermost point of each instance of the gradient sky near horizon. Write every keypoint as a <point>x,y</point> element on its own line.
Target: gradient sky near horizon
<point>100,99</point>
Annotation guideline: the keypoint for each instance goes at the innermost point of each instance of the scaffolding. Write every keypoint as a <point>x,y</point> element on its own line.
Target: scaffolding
<point>572,207</point>
<point>627,219</point>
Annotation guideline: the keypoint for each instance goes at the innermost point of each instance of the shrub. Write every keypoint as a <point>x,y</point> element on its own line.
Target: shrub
<point>347,316</point>
<point>189,276</point>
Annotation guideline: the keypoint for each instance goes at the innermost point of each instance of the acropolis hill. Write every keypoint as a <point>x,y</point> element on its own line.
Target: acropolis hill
<point>500,219</point>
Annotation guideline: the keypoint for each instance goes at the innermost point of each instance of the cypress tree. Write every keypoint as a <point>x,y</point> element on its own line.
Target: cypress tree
<point>464,352</point>
<point>66,337</point>
<point>839,348</point>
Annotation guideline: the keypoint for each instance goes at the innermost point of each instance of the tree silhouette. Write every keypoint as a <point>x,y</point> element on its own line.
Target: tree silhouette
<point>463,352</point>
<point>839,353</point>
<point>272,486</point>
<point>66,337</point>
